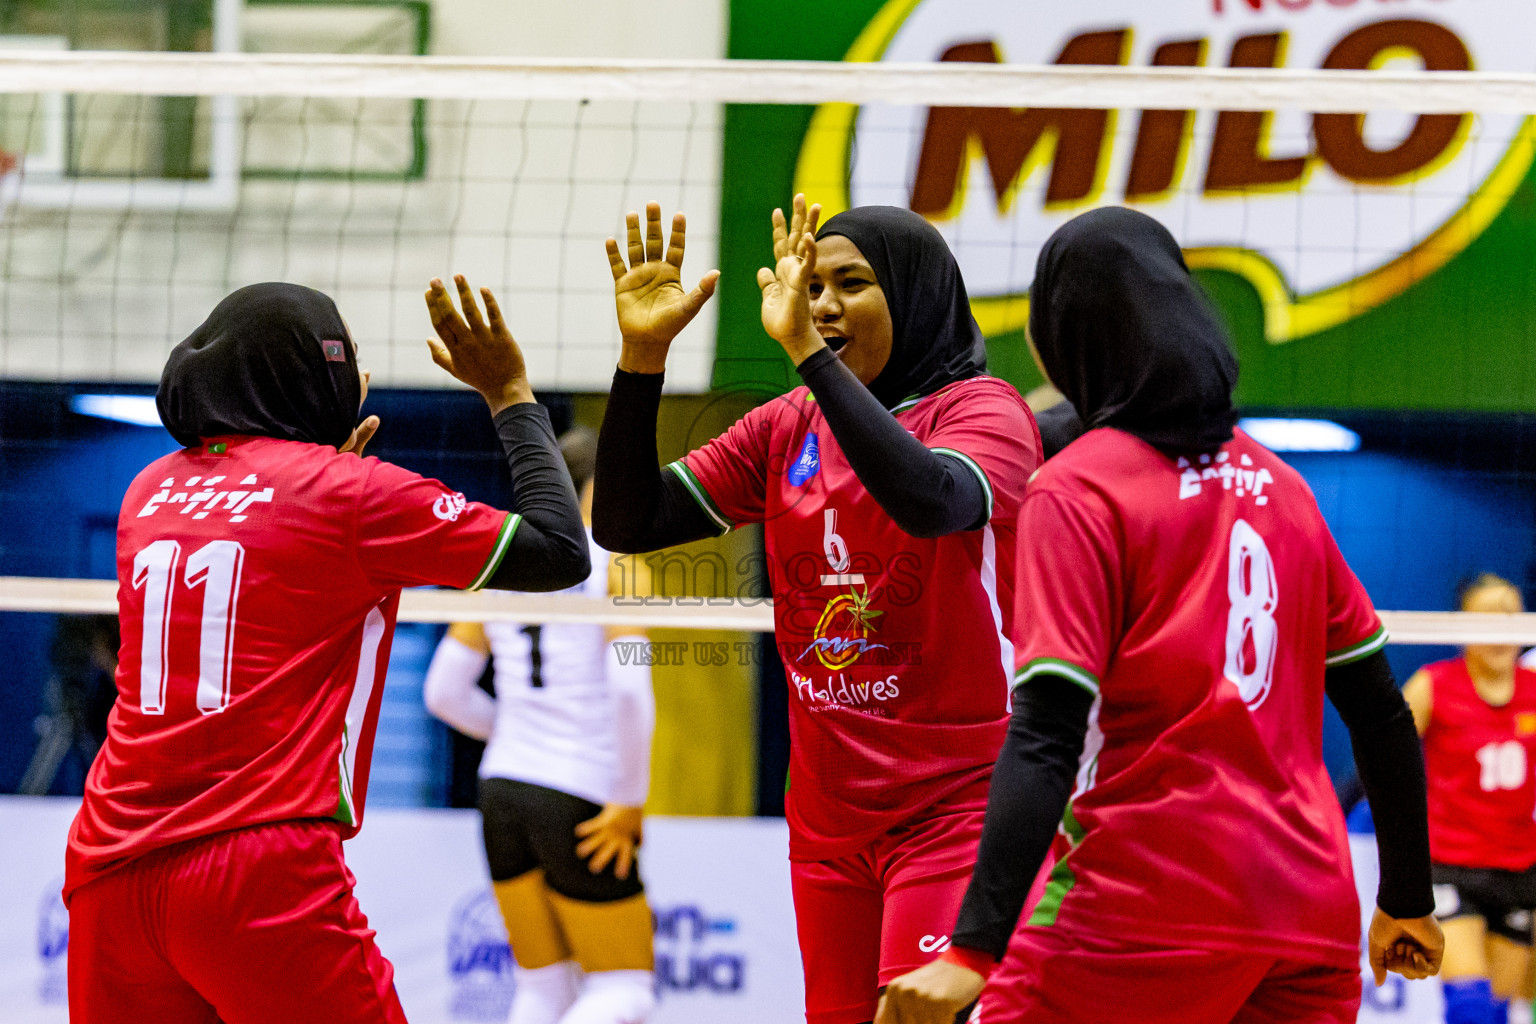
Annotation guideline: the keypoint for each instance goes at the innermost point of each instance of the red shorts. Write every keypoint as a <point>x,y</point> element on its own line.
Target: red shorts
<point>868,917</point>
<point>255,926</point>
<point>1060,977</point>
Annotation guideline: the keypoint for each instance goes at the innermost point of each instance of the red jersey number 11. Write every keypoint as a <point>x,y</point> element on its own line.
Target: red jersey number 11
<point>216,568</point>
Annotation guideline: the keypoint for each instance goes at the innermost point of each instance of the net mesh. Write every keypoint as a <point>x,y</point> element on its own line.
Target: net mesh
<point>147,186</point>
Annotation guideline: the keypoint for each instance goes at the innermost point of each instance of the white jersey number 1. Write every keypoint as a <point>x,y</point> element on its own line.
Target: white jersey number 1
<point>216,568</point>
<point>1251,631</point>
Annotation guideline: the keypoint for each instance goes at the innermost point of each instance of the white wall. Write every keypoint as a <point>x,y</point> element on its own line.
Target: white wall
<point>719,887</point>
<point>515,197</point>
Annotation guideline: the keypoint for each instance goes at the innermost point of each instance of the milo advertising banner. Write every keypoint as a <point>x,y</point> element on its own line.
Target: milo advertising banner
<point>1376,261</point>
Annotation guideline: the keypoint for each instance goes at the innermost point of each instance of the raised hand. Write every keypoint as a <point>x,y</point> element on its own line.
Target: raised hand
<point>787,287</point>
<point>482,354</point>
<point>648,293</point>
<point>361,435</point>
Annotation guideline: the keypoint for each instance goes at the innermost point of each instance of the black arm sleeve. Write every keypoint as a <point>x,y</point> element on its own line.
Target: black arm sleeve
<point>926,493</point>
<point>637,506</point>
<point>1059,426</point>
<point>549,550</point>
<point>1390,760</point>
<point>1030,788</point>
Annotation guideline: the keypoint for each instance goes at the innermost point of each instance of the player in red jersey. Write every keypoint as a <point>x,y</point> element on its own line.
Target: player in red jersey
<point>1477,714</point>
<point>888,487</point>
<point>260,570</point>
<point>1181,609</point>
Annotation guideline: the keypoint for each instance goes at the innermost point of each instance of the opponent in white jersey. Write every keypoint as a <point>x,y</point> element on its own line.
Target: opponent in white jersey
<point>562,783</point>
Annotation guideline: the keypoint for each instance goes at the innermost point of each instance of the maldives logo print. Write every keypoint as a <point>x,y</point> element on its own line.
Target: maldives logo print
<point>1327,214</point>
<point>808,463</point>
<point>842,632</point>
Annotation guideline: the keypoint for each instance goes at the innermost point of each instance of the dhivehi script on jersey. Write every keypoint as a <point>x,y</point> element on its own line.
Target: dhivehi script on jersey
<point>1327,215</point>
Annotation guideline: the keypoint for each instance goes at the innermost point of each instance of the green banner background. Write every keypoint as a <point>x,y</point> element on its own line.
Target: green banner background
<point>1462,339</point>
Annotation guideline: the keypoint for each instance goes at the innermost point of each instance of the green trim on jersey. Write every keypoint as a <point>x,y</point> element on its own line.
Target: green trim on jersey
<point>981,474</point>
<point>907,403</point>
<point>1057,667</point>
<point>503,542</point>
<point>1062,877</point>
<point>1364,649</point>
<point>701,496</point>
<point>344,812</point>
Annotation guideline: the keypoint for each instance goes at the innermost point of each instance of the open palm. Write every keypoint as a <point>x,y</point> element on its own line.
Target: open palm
<point>648,292</point>
<point>786,307</point>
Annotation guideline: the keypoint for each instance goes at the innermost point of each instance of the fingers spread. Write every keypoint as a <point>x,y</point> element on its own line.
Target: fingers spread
<point>678,240</point>
<point>653,231</point>
<point>765,278</point>
<point>797,216</point>
<point>636,248</point>
<point>361,436</point>
<point>615,261</point>
<point>780,235</point>
<point>808,255</point>
<point>813,219</point>
<point>445,319</point>
<point>471,308</point>
<point>493,312</point>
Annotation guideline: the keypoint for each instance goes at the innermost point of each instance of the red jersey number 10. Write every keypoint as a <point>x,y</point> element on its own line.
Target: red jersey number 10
<point>216,568</point>
<point>1502,766</point>
<point>1252,636</point>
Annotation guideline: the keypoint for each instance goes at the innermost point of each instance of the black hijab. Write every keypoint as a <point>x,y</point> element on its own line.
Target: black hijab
<point>273,360</point>
<point>934,338</point>
<point>1125,333</point>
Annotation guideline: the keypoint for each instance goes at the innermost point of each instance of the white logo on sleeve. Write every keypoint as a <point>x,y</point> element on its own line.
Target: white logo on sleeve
<point>449,507</point>
<point>933,943</point>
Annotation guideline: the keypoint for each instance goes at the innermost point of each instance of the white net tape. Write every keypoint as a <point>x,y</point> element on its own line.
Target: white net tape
<point>713,82</point>
<point>739,81</point>
<point>99,597</point>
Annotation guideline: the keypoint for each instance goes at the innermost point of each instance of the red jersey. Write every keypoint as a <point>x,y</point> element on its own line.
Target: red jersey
<point>895,647</point>
<point>258,581</point>
<point>1478,757</point>
<point>1199,601</point>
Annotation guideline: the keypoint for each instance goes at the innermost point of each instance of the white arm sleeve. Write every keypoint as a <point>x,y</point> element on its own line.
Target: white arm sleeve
<point>634,708</point>
<point>450,691</point>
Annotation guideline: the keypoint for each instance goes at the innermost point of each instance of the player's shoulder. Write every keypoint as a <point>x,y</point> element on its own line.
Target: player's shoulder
<point>782,415</point>
<point>1525,691</point>
<point>981,392</point>
<point>1095,458</point>
<point>1439,669</point>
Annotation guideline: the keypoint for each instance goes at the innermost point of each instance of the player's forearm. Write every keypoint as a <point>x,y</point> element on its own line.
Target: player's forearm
<point>636,506</point>
<point>1390,761</point>
<point>450,691</point>
<point>635,720</point>
<point>925,493</point>
<point>549,550</point>
<point>1030,789</point>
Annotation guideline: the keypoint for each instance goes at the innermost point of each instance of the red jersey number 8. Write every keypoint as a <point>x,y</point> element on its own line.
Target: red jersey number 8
<point>1251,631</point>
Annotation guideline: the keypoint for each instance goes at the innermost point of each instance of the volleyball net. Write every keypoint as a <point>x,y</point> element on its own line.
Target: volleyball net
<point>1356,225</point>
